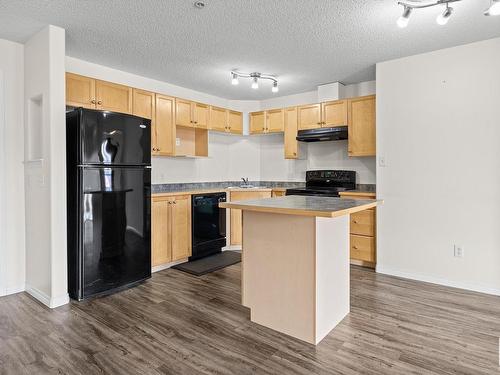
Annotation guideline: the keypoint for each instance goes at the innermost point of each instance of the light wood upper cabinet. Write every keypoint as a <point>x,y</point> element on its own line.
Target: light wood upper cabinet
<point>143,104</point>
<point>235,122</point>
<point>291,144</point>
<point>113,97</point>
<point>218,119</point>
<point>201,115</point>
<point>163,129</point>
<point>181,227</point>
<point>160,224</point>
<point>334,113</point>
<point>183,113</point>
<point>257,122</point>
<point>80,91</point>
<point>171,228</point>
<point>361,122</point>
<point>309,116</point>
<point>275,120</point>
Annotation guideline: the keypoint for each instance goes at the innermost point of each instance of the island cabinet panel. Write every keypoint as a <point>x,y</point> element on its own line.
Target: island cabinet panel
<point>113,97</point>
<point>218,119</point>
<point>290,125</point>
<point>183,113</point>
<point>309,116</point>
<point>334,113</point>
<point>258,122</point>
<point>235,122</point>
<point>160,225</point>
<point>275,120</point>
<point>163,129</point>
<point>80,91</point>
<point>171,229</point>
<point>181,227</point>
<point>235,215</point>
<point>361,122</point>
<point>143,104</point>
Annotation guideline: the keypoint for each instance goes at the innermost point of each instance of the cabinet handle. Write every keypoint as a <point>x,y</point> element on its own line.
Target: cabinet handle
<point>294,154</point>
<point>99,102</point>
<point>355,221</point>
<point>158,149</point>
<point>93,101</point>
<point>174,202</point>
<point>196,122</point>
<point>355,248</point>
<point>319,123</point>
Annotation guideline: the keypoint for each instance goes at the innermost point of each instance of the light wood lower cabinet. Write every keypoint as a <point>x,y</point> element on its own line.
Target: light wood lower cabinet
<point>236,222</point>
<point>363,233</point>
<point>278,193</point>
<point>171,228</point>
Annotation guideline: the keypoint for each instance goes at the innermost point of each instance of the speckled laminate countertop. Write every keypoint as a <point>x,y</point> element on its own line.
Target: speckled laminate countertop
<point>304,205</point>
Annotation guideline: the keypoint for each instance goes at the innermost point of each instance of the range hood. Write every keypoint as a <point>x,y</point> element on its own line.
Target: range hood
<point>322,134</point>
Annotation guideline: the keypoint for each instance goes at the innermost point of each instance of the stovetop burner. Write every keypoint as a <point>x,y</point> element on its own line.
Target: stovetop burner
<point>326,183</point>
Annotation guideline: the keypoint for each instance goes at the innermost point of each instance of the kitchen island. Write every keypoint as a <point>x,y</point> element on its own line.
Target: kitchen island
<point>295,262</point>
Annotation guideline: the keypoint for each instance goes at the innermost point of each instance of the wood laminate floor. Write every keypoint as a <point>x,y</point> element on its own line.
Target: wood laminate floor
<point>180,324</point>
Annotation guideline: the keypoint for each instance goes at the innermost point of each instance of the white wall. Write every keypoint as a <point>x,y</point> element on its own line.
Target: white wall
<point>45,172</point>
<point>438,128</point>
<point>12,253</point>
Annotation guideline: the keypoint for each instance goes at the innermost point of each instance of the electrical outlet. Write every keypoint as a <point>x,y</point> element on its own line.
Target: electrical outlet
<point>177,141</point>
<point>458,251</point>
<point>382,161</point>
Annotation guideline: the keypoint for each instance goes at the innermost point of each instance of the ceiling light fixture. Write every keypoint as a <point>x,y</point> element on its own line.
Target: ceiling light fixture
<point>405,17</point>
<point>234,80</point>
<point>494,8</point>
<point>255,76</point>
<point>443,18</point>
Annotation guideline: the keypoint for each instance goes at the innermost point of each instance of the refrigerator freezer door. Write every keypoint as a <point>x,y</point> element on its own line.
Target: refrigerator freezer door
<point>114,138</point>
<point>116,228</point>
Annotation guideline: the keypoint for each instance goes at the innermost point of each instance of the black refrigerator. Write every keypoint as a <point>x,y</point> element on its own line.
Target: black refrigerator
<point>109,201</point>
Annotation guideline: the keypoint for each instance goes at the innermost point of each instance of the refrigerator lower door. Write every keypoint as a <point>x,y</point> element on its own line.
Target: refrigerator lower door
<point>115,228</point>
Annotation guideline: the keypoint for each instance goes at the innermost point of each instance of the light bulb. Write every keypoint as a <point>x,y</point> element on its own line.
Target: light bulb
<point>494,9</point>
<point>405,18</point>
<point>444,17</point>
<point>234,81</point>
<point>275,87</point>
<point>255,83</point>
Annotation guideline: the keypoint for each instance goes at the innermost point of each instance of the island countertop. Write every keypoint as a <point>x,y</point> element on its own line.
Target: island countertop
<point>304,205</point>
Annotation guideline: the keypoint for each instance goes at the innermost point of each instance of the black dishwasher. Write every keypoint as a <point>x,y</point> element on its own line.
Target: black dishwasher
<point>208,223</point>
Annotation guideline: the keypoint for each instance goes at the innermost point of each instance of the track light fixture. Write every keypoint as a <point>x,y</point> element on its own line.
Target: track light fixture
<point>255,79</point>
<point>443,18</point>
<point>493,9</point>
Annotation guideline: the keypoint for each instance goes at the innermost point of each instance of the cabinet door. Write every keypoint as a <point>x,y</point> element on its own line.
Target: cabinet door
<point>80,91</point>
<point>309,116</point>
<point>275,120</point>
<point>361,124</point>
<point>201,115</point>
<point>235,122</point>
<point>334,113</point>
<point>363,248</point>
<point>113,97</point>
<point>291,144</point>
<point>181,227</point>
<point>235,215</point>
<point>257,122</point>
<point>160,217</point>
<point>183,113</point>
<point>218,119</point>
<point>164,125</point>
<point>143,104</point>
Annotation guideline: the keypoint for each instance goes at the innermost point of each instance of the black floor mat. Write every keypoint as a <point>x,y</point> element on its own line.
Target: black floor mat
<point>210,264</point>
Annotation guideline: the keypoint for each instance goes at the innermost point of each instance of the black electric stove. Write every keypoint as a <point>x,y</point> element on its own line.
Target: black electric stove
<point>326,183</point>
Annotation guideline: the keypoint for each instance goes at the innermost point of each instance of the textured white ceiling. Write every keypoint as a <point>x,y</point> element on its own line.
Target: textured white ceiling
<point>304,42</point>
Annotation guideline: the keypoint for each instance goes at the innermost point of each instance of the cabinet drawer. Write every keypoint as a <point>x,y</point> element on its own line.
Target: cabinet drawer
<point>363,223</point>
<point>363,248</point>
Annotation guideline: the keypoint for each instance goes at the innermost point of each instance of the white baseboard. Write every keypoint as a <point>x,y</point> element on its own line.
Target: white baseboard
<point>436,280</point>
<point>162,267</point>
<point>12,290</point>
<point>51,302</point>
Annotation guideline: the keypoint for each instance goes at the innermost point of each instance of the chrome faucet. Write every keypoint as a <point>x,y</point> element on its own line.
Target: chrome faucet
<point>245,180</point>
